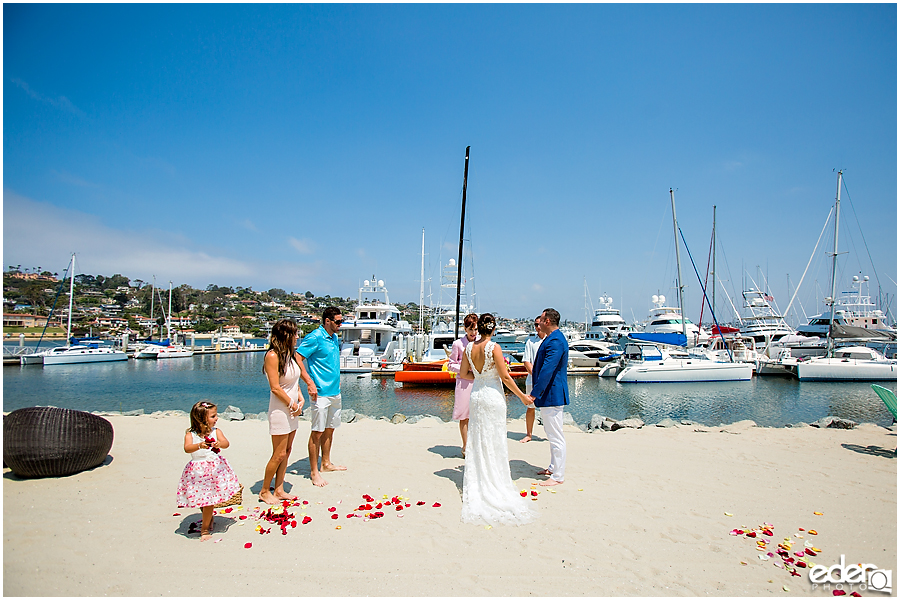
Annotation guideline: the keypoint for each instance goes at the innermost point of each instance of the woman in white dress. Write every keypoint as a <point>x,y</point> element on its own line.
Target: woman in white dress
<point>489,496</point>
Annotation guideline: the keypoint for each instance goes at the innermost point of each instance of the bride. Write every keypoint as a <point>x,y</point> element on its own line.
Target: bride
<point>488,493</point>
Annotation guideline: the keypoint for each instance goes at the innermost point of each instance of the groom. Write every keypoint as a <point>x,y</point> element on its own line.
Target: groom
<point>551,392</point>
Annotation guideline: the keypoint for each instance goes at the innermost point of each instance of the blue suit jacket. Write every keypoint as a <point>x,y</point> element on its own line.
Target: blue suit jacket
<point>550,371</point>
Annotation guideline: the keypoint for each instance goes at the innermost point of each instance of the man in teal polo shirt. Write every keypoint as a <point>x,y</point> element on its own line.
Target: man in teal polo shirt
<point>321,349</point>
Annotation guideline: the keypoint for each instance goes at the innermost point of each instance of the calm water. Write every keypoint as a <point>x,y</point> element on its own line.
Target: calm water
<point>238,379</point>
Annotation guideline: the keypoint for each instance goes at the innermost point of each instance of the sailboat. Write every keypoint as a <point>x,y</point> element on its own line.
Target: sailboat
<point>79,353</point>
<point>164,348</point>
<point>648,363</point>
<point>855,363</point>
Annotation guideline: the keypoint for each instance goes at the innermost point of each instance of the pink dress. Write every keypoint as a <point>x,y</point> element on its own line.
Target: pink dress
<point>207,479</point>
<point>281,422</point>
<point>463,386</point>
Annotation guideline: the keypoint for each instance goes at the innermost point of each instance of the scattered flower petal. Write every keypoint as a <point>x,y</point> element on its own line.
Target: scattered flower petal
<point>248,545</point>
<point>176,515</point>
<point>817,513</point>
<point>436,505</point>
<point>729,515</point>
<point>838,593</point>
<point>813,532</point>
<point>785,588</point>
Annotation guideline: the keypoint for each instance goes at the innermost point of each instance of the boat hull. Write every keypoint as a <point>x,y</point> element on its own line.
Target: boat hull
<point>841,369</point>
<point>677,370</point>
<point>84,356</point>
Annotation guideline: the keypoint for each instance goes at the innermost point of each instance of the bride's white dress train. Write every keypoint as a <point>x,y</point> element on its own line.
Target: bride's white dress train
<point>489,496</point>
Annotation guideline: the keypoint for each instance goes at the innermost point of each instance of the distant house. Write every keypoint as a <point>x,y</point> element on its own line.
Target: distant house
<point>232,330</point>
<point>23,320</point>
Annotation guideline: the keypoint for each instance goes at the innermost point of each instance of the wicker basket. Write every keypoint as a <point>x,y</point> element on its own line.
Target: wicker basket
<point>44,441</point>
<point>235,499</point>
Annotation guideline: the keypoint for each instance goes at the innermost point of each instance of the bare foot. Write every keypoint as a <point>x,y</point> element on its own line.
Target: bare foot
<point>463,452</point>
<point>333,467</point>
<point>267,497</point>
<point>317,480</point>
<point>205,536</point>
<point>545,472</point>
<point>550,482</point>
<point>527,438</point>
<point>282,495</point>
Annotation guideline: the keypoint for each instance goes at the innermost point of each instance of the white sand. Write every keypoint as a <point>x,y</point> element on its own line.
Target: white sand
<point>642,513</point>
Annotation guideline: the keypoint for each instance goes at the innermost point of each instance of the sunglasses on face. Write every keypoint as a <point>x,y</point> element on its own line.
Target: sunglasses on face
<point>337,321</point>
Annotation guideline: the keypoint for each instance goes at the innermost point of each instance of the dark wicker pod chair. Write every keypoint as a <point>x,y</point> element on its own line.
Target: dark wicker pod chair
<point>52,442</point>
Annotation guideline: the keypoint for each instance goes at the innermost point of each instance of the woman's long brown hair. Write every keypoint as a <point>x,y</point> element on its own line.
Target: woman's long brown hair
<point>282,335</point>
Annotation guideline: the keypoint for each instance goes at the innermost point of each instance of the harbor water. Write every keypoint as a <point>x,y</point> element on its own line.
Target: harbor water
<point>237,379</point>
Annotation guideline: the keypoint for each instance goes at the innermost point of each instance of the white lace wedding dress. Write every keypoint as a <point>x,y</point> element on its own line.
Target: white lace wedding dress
<point>489,496</point>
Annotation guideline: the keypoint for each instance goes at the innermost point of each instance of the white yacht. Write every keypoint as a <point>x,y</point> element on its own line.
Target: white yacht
<point>82,353</point>
<point>164,349</point>
<point>648,363</point>
<point>590,353</point>
<point>853,308</point>
<point>73,353</point>
<point>763,323</point>
<point>667,320</point>
<point>852,363</point>
<point>373,338</point>
<point>223,342</point>
<point>607,323</point>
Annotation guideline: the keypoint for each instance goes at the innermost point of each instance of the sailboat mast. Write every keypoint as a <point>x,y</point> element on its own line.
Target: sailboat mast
<point>678,262</point>
<point>169,316</point>
<point>422,284</point>
<point>71,298</point>
<point>152,292</point>
<point>713,299</point>
<point>829,343</point>
<point>462,228</point>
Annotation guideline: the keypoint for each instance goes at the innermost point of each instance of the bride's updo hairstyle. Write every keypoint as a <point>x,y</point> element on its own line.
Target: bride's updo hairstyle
<point>486,324</point>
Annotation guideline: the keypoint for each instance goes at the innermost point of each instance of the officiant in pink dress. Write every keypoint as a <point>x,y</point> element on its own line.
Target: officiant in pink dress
<point>463,386</point>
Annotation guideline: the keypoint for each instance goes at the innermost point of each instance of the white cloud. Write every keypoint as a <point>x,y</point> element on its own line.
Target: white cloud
<point>41,234</point>
<point>61,102</point>
<point>303,246</point>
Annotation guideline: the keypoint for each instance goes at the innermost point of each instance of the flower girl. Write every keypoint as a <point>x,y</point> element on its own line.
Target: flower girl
<point>207,479</point>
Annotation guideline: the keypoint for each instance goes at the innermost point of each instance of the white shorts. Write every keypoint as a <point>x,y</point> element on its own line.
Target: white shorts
<point>325,413</point>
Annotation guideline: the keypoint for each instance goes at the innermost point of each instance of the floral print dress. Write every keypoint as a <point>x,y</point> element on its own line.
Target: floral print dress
<point>207,479</point>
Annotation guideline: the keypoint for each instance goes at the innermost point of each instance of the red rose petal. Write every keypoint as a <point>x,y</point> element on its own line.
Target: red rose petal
<point>436,505</point>
<point>420,503</point>
<point>523,494</point>
<point>176,515</point>
<point>306,520</point>
<point>248,545</point>
<point>838,593</point>
<point>242,517</point>
<point>533,493</point>
<point>856,594</point>
<point>369,506</point>
<point>407,505</point>
<point>334,516</point>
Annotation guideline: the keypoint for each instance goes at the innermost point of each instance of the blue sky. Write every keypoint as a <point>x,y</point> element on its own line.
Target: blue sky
<point>306,146</point>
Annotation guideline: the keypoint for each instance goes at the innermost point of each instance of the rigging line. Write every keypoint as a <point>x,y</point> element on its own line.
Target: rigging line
<point>844,182</point>
<point>712,240</point>
<point>730,280</point>
<point>58,292</point>
<point>730,357</point>
<point>810,261</point>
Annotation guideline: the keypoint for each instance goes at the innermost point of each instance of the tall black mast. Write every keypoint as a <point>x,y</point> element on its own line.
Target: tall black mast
<point>462,227</point>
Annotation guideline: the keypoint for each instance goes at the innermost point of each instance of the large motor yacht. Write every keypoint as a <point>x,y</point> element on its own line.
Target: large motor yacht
<point>374,337</point>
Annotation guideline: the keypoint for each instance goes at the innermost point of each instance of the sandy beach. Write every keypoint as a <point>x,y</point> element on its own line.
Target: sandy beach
<point>644,512</point>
